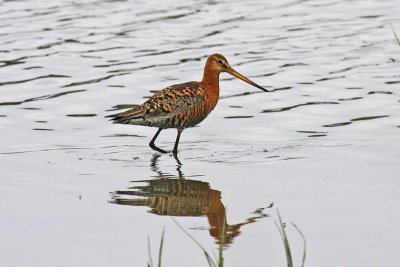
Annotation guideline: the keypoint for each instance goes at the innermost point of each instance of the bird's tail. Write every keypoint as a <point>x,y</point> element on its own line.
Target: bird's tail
<point>132,116</point>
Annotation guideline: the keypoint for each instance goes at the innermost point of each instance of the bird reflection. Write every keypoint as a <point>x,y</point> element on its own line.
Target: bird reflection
<point>177,196</point>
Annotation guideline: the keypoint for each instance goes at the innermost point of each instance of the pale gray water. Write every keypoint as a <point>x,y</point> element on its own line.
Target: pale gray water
<point>323,146</point>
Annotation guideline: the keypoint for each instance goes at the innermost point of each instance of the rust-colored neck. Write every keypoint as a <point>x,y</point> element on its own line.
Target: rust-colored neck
<point>210,77</point>
<point>210,83</point>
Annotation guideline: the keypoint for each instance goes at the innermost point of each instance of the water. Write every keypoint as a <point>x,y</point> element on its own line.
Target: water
<point>323,147</point>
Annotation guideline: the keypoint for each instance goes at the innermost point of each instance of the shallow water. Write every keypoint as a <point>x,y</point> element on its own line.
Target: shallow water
<point>322,147</point>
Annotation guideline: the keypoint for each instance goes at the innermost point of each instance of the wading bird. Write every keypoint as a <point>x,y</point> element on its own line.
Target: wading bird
<point>182,105</point>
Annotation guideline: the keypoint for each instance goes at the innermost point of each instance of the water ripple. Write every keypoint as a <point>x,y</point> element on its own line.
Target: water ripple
<point>41,97</point>
<point>299,105</point>
<point>36,78</point>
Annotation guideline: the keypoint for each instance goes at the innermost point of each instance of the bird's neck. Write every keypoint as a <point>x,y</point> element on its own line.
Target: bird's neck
<point>211,80</point>
<point>210,83</point>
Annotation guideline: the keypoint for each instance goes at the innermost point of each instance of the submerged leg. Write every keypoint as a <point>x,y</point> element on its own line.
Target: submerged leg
<point>175,151</point>
<point>153,146</point>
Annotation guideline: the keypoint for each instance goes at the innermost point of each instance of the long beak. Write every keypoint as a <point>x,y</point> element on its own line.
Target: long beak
<point>233,72</point>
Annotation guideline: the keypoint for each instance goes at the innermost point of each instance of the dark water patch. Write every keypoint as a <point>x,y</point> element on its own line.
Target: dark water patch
<point>81,115</point>
<point>2,116</point>
<point>297,29</point>
<point>95,80</point>
<point>280,88</point>
<point>183,60</point>
<point>330,78</point>
<point>380,92</point>
<point>370,17</point>
<point>33,67</point>
<point>337,124</point>
<point>238,117</point>
<point>350,58</point>
<point>41,121</point>
<point>7,63</point>
<point>49,45</point>
<point>171,17</point>
<point>392,82</point>
<point>224,21</point>
<point>157,52</point>
<point>42,129</point>
<point>267,74</point>
<point>369,118</point>
<point>235,106</point>
<point>296,106</point>
<point>241,94</point>
<point>36,78</point>
<point>271,157</point>
<point>259,59</point>
<point>146,50</point>
<point>40,98</point>
<point>351,98</point>
<point>292,65</point>
<point>354,88</point>
<point>123,106</point>
<point>112,85</point>
<point>44,150</point>
<point>306,83</point>
<point>350,68</point>
<point>169,78</point>
<point>123,135</point>
<point>89,56</point>
<point>104,49</point>
<point>209,34</point>
<point>30,108</point>
<point>292,158</point>
<point>128,71</point>
<point>115,64</point>
<point>312,132</point>
<point>317,135</point>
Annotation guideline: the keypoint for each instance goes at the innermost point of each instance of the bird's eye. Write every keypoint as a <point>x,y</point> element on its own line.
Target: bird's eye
<point>220,61</point>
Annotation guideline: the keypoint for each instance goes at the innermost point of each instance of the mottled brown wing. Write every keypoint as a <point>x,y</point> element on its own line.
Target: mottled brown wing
<point>167,108</point>
<point>173,100</point>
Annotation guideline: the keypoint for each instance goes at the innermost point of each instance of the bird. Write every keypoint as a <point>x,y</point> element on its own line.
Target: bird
<point>183,105</point>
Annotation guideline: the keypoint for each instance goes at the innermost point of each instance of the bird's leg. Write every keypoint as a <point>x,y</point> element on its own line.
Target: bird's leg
<point>153,146</point>
<point>175,151</point>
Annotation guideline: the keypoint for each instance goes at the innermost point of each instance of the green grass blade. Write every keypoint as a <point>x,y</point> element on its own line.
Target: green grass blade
<point>210,261</point>
<point>221,244</point>
<point>161,247</point>
<point>150,261</point>
<point>304,244</point>
<point>282,232</point>
<point>395,35</point>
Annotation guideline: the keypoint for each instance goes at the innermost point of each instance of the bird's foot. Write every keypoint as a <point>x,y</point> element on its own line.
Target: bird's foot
<point>153,146</point>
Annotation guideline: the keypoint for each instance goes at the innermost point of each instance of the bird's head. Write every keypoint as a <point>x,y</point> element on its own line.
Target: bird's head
<point>218,63</point>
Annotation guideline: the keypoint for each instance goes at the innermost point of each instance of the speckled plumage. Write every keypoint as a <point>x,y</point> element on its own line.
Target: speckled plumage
<point>177,106</point>
<point>181,105</point>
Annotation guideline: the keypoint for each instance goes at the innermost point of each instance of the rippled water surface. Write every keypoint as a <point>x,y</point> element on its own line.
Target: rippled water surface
<point>322,147</point>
